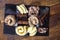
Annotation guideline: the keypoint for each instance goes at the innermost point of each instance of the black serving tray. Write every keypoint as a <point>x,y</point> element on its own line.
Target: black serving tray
<point>10,9</point>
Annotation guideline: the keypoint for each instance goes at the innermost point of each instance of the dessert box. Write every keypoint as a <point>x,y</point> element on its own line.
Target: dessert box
<point>26,20</point>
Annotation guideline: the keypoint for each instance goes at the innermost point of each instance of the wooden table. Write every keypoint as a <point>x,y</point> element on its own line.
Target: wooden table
<point>54,25</point>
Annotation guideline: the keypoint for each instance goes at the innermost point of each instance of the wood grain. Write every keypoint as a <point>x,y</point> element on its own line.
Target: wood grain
<point>54,24</point>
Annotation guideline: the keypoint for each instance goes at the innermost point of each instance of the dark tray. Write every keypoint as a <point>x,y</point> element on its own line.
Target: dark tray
<point>10,9</point>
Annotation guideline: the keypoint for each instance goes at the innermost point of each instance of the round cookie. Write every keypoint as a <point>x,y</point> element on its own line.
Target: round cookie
<point>10,20</point>
<point>33,20</point>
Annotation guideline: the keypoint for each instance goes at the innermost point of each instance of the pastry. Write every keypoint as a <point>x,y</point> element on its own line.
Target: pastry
<point>22,9</point>
<point>32,31</point>
<point>33,20</point>
<point>42,30</point>
<point>22,22</point>
<point>10,20</point>
<point>20,30</point>
<point>33,10</point>
<point>33,34</point>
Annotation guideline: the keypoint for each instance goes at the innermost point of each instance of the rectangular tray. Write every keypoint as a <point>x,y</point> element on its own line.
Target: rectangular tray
<point>10,9</point>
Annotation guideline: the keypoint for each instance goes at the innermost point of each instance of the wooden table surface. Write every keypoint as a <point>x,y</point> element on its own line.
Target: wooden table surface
<point>54,23</point>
